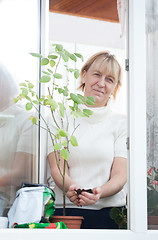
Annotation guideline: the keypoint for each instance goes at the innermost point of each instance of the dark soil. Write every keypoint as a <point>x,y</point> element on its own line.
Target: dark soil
<point>79,191</point>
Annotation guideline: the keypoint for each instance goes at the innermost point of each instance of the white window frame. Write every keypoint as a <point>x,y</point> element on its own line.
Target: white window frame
<point>137,157</point>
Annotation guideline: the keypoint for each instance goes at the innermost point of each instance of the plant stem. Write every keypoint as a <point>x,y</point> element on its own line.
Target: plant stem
<point>54,73</point>
<point>64,188</point>
<point>48,129</point>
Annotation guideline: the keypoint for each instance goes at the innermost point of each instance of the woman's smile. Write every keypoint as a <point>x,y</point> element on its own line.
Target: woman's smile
<point>98,91</point>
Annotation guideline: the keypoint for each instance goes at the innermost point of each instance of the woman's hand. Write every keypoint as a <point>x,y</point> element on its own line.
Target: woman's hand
<point>86,198</point>
<point>72,194</point>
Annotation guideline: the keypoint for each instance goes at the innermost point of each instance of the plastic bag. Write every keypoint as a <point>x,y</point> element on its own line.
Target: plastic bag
<point>33,203</point>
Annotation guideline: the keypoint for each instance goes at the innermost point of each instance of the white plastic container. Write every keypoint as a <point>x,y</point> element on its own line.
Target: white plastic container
<point>3,222</point>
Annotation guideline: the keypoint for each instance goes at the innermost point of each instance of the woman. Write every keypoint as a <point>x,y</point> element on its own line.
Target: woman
<point>16,146</point>
<point>99,161</point>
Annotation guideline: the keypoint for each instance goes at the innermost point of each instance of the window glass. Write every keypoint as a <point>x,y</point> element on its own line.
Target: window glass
<point>152,113</point>
<point>19,36</point>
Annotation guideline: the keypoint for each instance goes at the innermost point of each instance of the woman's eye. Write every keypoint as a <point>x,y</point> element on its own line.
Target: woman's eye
<point>110,80</point>
<point>97,74</point>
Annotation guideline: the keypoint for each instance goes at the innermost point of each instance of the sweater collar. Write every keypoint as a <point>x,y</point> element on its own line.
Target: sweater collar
<point>99,113</point>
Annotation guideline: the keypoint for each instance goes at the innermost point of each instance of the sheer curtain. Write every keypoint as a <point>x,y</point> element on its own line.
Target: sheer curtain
<point>152,105</point>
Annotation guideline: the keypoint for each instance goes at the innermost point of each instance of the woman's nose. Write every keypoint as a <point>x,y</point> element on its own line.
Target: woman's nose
<point>101,82</point>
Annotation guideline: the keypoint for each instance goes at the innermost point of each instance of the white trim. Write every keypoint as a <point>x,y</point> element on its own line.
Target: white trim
<point>137,106</point>
<point>40,234</point>
<point>44,51</point>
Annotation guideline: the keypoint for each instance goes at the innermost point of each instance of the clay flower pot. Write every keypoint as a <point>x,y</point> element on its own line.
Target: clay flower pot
<point>153,222</point>
<point>72,222</point>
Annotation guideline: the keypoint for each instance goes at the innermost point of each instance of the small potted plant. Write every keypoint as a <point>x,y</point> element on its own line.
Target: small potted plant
<point>61,139</point>
<point>119,216</point>
<point>152,198</point>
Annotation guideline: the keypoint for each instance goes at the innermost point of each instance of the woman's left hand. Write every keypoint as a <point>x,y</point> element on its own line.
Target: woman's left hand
<point>86,198</point>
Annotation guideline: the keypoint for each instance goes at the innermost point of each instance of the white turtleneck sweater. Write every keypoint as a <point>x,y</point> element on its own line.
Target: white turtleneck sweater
<point>101,137</point>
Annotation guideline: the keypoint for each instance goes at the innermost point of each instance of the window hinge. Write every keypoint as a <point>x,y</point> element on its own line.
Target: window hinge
<point>127,142</point>
<point>127,64</point>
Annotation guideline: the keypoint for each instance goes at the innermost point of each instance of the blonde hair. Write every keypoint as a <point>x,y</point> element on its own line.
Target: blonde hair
<point>105,61</point>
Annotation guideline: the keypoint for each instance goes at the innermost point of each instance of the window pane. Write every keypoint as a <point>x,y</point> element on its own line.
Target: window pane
<point>152,113</point>
<point>19,36</point>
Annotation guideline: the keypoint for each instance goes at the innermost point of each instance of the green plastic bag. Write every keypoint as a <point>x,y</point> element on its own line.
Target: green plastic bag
<point>34,203</point>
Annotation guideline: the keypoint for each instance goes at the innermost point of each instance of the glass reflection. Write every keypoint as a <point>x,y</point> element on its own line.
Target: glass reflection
<point>16,142</point>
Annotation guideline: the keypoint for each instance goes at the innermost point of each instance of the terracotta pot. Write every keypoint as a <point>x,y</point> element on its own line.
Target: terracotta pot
<point>153,222</point>
<point>72,222</point>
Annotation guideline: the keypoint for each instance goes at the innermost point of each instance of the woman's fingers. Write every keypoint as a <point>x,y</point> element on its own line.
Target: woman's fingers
<point>90,198</point>
<point>72,195</point>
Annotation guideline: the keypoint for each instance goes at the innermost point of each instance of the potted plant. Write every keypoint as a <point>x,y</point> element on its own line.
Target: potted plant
<point>119,216</point>
<point>152,198</point>
<point>61,139</point>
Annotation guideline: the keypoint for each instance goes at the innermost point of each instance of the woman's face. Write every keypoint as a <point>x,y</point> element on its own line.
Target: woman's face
<point>99,84</point>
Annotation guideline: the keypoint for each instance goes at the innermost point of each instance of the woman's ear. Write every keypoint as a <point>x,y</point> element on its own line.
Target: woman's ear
<point>83,77</point>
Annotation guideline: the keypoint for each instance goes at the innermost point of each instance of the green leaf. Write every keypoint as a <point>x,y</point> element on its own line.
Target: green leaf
<point>64,153</point>
<point>89,102</point>
<point>35,102</point>
<point>72,108</point>
<point>70,70</point>
<point>64,143</point>
<point>114,212</point>
<point>74,114</point>
<point>44,61</point>
<point>118,219</point>
<point>75,106</point>
<point>76,73</point>
<point>57,75</point>
<point>37,97</point>
<point>36,55</point>
<point>15,100</point>
<point>49,70</point>
<point>57,146</point>
<point>60,90</point>
<point>88,111</point>
<point>65,93</point>
<point>32,93</point>
<point>62,132</point>
<point>45,79</point>
<point>58,46</point>
<point>22,84</point>
<point>123,226</point>
<point>61,109</point>
<point>52,63</point>
<point>79,56</point>
<point>75,98</point>
<point>28,106</point>
<point>57,136</point>
<point>73,141</point>
<point>24,92</point>
<point>124,211</point>
<point>64,57</point>
<point>30,85</point>
<point>52,103</point>
<point>52,56</point>
<point>46,72</point>
<point>80,113</point>
<point>34,120</point>
<point>72,56</point>
<point>67,53</point>
<point>28,98</point>
<point>92,99</point>
<point>83,99</point>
